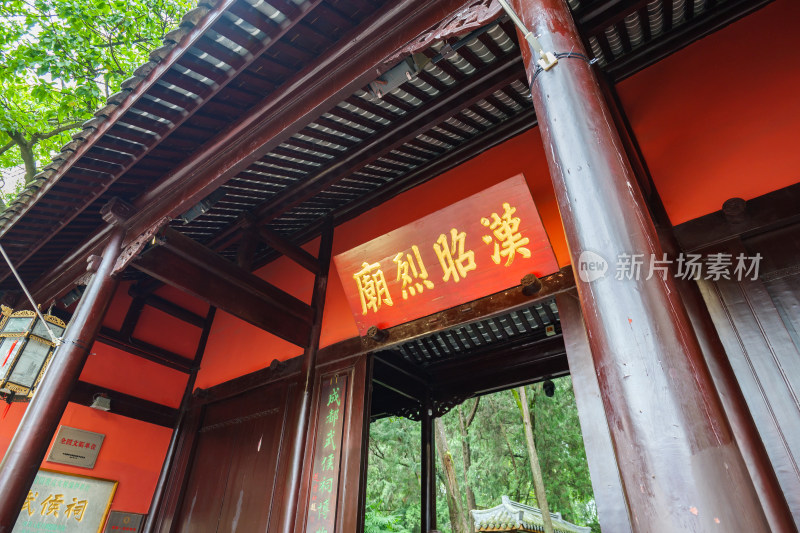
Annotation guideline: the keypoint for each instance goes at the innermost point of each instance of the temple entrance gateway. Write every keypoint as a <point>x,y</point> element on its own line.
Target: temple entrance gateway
<point>475,189</point>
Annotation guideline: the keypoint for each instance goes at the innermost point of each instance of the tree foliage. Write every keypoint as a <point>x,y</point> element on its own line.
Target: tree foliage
<point>498,465</point>
<point>60,59</point>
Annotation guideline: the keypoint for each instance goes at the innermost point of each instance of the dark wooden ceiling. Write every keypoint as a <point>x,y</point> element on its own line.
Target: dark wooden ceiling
<point>345,161</point>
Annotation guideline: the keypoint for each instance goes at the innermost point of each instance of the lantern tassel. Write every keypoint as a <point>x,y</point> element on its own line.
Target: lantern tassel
<point>5,411</point>
<point>9,352</point>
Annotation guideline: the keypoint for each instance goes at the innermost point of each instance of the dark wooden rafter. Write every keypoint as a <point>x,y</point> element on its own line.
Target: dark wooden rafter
<point>145,350</point>
<point>187,265</point>
<point>290,250</point>
<point>482,83</point>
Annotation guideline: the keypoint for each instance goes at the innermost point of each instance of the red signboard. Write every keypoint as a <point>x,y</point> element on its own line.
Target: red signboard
<point>476,247</point>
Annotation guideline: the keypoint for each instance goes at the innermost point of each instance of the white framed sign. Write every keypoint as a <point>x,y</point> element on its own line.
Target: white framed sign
<point>67,503</point>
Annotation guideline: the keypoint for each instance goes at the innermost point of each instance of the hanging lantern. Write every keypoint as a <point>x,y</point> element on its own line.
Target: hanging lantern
<point>25,352</point>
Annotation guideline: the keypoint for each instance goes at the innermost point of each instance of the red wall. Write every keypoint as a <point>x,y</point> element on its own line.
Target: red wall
<point>132,452</point>
<point>714,121</point>
<point>719,119</point>
<point>236,348</point>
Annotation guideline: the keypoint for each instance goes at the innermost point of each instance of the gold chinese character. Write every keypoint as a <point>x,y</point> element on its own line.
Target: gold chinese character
<point>76,509</point>
<point>506,233</point>
<point>455,262</point>
<point>372,288</point>
<point>28,501</point>
<point>51,504</point>
<point>414,280</point>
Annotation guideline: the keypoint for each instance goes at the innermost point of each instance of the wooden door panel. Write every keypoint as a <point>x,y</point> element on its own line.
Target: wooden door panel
<point>205,489</point>
<point>233,472</point>
<point>251,482</point>
<point>763,354</point>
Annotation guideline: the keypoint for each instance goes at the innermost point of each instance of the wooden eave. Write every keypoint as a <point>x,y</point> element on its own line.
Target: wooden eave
<point>285,125</point>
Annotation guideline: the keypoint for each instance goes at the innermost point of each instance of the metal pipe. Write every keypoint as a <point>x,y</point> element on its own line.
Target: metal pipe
<point>56,341</point>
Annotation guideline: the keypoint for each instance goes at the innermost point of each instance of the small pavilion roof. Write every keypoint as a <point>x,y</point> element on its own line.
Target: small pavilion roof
<point>515,517</point>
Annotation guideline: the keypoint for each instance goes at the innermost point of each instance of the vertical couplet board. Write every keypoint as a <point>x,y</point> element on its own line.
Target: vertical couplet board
<point>323,498</point>
<point>479,246</point>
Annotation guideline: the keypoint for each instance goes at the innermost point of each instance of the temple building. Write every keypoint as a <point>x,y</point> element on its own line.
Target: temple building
<point>514,517</point>
<point>303,215</point>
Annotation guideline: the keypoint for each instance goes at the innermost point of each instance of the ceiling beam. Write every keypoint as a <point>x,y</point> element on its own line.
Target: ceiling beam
<point>145,350</point>
<point>126,405</point>
<point>182,263</point>
<point>482,83</point>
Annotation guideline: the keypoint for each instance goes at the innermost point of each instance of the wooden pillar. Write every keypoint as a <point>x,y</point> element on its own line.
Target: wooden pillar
<point>733,400</point>
<point>300,430</point>
<point>39,424</point>
<point>680,467</point>
<point>427,468</point>
<point>151,521</point>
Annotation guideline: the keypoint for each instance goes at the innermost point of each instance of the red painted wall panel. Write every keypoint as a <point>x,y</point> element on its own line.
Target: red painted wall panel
<point>719,119</point>
<point>132,452</point>
<point>236,348</point>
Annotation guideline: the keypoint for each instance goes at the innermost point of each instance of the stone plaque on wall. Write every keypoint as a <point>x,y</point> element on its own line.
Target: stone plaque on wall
<point>75,447</point>
<point>66,503</point>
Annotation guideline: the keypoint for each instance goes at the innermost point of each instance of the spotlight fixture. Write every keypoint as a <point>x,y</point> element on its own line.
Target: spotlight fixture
<point>101,402</point>
<point>549,388</point>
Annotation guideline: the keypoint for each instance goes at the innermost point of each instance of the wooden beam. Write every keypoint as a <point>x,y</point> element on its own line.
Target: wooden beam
<point>126,405</point>
<point>394,373</point>
<point>145,350</point>
<point>501,366</point>
<point>480,85</point>
<point>174,310</point>
<point>769,210</point>
<point>290,250</point>
<point>226,272</point>
<point>488,306</point>
<point>225,292</point>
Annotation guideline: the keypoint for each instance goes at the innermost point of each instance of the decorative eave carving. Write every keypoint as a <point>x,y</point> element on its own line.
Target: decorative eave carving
<point>138,244</point>
<point>471,16</point>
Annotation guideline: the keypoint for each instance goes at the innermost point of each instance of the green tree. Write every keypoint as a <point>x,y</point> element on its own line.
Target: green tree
<point>498,464</point>
<point>60,60</point>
